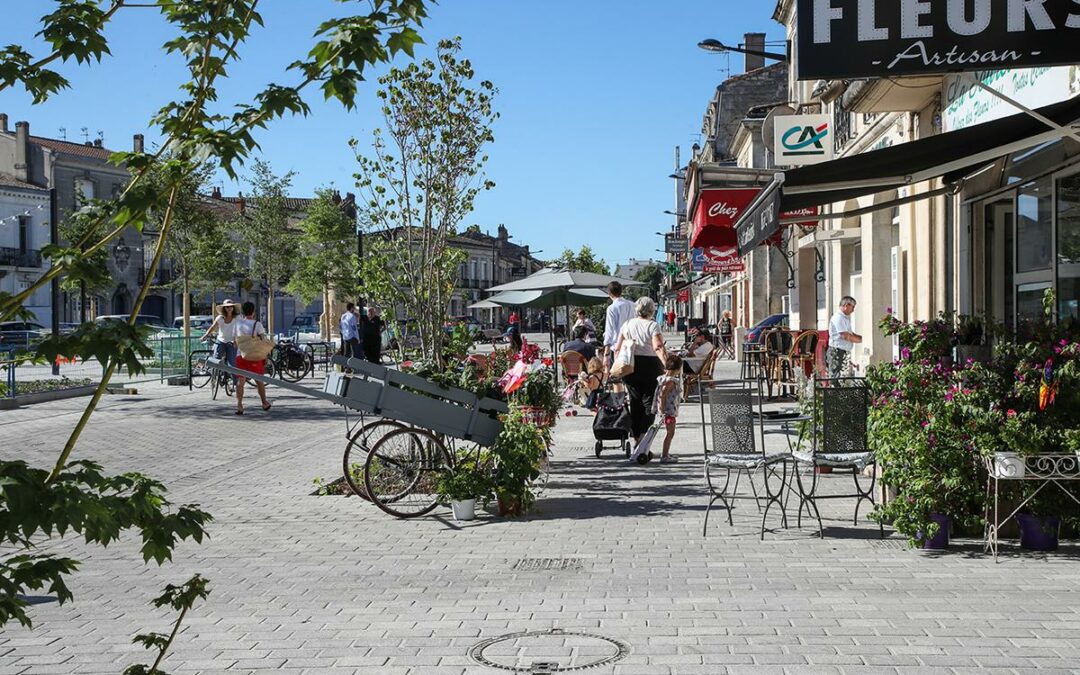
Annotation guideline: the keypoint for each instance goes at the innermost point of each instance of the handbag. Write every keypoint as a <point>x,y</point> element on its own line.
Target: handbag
<point>254,347</point>
<point>624,361</point>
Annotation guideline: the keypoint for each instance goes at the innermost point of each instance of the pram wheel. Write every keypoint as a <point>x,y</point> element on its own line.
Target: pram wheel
<point>599,447</point>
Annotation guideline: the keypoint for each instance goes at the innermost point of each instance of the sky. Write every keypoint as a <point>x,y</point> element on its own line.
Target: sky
<point>594,97</point>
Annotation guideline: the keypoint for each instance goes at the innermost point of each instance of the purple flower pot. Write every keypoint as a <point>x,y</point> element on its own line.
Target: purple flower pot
<point>939,541</point>
<point>1038,533</point>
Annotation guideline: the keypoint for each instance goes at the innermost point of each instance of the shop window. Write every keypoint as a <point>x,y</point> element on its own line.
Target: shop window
<point>1068,247</point>
<point>1029,307</point>
<point>1033,226</point>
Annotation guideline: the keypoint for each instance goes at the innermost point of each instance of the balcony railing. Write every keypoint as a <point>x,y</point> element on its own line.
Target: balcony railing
<point>14,257</point>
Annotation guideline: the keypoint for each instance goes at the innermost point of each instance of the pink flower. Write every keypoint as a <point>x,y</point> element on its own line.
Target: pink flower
<point>1010,413</point>
<point>905,353</point>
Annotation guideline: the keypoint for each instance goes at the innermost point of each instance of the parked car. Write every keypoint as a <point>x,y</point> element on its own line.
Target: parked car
<point>151,320</point>
<point>772,321</point>
<point>470,322</point>
<point>199,322</point>
<point>305,323</point>
<point>15,334</point>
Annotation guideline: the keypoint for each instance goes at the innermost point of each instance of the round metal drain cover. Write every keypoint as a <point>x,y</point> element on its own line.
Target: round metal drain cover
<point>547,651</point>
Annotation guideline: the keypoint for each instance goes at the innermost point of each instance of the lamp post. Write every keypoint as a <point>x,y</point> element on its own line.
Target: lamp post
<point>717,47</point>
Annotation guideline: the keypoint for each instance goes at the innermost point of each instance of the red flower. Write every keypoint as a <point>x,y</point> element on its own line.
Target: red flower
<point>1010,412</point>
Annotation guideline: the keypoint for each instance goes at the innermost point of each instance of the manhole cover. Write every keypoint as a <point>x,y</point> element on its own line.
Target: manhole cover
<point>535,564</point>
<point>547,651</point>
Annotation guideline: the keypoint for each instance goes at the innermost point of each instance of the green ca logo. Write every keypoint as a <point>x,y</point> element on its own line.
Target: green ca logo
<point>805,140</point>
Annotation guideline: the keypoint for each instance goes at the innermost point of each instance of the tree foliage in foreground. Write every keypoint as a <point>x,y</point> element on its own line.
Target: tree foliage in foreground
<point>75,496</point>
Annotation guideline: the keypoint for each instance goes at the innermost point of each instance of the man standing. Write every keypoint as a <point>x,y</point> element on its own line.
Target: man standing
<point>350,336</point>
<point>371,336</point>
<point>842,339</point>
<point>619,312</point>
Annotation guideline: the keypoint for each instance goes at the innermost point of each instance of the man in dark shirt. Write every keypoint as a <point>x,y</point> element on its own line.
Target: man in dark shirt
<point>371,328</point>
<point>579,345</point>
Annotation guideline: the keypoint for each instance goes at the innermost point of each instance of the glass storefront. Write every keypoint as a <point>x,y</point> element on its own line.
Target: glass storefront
<point>1068,246</point>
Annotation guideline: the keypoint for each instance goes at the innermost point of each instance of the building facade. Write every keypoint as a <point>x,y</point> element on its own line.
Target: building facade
<point>24,231</point>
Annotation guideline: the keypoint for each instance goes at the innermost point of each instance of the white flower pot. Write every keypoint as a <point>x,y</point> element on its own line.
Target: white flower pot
<point>464,510</point>
<point>1008,466</point>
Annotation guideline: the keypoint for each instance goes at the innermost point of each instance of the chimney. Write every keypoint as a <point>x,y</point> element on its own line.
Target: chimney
<point>241,202</point>
<point>137,144</point>
<point>98,143</point>
<point>756,42</point>
<point>504,234</point>
<point>22,151</point>
<point>215,193</point>
<point>3,123</point>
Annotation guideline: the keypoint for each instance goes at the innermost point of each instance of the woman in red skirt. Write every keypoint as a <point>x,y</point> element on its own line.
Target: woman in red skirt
<point>249,326</point>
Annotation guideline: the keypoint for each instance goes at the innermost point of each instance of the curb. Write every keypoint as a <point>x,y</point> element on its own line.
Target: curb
<point>44,396</point>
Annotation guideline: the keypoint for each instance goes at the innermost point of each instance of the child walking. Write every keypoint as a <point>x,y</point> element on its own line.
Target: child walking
<point>667,397</point>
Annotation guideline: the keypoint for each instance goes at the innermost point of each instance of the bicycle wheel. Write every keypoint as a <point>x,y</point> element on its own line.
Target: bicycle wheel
<point>294,366</point>
<point>401,470</point>
<point>200,374</point>
<point>230,385</point>
<point>215,384</point>
<point>356,451</point>
<point>270,369</point>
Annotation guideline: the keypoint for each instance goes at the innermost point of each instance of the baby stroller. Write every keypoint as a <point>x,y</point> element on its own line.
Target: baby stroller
<point>612,421</point>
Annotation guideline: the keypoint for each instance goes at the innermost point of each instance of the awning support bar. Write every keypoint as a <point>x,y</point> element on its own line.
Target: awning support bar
<point>1071,133</point>
<point>948,189</point>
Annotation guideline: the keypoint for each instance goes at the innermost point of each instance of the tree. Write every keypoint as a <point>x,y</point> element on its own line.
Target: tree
<point>652,276</point>
<point>265,230</point>
<point>326,257</point>
<point>198,244</point>
<point>420,181</point>
<point>75,496</point>
<point>93,274</point>
<point>583,261</point>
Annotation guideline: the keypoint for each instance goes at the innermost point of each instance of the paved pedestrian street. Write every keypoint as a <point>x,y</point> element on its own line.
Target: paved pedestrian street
<point>308,584</point>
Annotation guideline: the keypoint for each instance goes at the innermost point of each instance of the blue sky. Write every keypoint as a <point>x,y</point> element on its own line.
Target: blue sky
<point>594,97</point>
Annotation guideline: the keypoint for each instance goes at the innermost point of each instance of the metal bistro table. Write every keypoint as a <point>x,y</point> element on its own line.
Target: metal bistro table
<point>1046,470</point>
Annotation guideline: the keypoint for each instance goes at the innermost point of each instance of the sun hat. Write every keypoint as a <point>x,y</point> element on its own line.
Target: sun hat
<point>227,303</point>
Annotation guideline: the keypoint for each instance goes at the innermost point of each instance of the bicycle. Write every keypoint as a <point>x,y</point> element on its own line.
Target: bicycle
<point>200,374</point>
<point>290,362</point>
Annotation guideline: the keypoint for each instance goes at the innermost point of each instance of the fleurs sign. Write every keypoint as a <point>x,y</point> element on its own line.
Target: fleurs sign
<point>803,139</point>
<point>881,38</point>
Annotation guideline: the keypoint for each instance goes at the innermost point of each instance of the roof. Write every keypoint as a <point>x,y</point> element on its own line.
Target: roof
<point>70,148</point>
<point>7,180</point>
<point>291,203</point>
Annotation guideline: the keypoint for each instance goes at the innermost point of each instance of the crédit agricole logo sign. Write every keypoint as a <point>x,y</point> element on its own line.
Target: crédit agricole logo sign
<point>880,38</point>
<point>803,139</point>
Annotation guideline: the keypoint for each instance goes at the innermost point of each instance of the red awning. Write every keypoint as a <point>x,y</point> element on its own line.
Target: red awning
<point>715,216</point>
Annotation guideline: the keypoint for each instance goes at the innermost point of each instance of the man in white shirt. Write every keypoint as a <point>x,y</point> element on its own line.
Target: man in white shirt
<point>350,332</point>
<point>618,312</point>
<point>695,356</point>
<point>842,339</point>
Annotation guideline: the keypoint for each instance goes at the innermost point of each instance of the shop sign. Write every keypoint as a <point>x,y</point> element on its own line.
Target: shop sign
<point>673,243</point>
<point>966,105</point>
<point>716,213</point>
<point>697,260</point>
<point>809,212</point>
<point>761,220</point>
<point>803,139</point>
<point>867,38</point>
<point>722,259</point>
<point>683,296</point>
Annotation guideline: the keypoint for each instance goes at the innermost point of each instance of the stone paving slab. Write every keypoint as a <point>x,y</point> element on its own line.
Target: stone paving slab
<point>304,584</point>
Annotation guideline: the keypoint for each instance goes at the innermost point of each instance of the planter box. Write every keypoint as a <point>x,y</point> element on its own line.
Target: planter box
<point>1007,466</point>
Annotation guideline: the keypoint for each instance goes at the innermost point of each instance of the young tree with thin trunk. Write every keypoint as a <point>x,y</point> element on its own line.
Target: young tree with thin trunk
<point>326,256</point>
<point>265,231</point>
<point>419,182</point>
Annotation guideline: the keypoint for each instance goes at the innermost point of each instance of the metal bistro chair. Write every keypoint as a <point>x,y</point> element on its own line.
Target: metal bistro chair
<point>840,411</point>
<point>739,447</point>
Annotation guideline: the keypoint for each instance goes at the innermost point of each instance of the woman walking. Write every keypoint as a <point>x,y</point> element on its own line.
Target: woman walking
<point>643,334</point>
<point>249,326</point>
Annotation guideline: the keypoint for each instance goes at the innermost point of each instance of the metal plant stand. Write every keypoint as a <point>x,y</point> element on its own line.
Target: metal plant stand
<point>1046,470</point>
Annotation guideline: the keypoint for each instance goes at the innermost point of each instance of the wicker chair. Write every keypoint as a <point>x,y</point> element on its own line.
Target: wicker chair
<point>801,353</point>
<point>705,374</point>
<point>736,437</point>
<point>841,408</point>
<point>572,364</point>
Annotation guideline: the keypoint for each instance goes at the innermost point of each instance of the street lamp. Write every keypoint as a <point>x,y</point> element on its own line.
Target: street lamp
<point>717,47</point>
<point>678,215</point>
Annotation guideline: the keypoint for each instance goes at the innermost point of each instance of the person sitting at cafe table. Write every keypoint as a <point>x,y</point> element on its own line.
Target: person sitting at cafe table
<point>579,345</point>
<point>696,354</point>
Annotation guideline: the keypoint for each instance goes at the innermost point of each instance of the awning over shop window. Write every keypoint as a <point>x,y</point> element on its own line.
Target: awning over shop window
<point>715,216</point>
<point>952,155</point>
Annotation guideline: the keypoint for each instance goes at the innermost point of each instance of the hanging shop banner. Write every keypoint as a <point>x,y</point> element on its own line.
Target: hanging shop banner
<point>761,220</point>
<point>803,139</point>
<point>697,260</point>
<point>673,243</point>
<point>808,212</point>
<point>873,38</point>
<point>683,296</point>
<point>716,213</point>
<point>723,259</point>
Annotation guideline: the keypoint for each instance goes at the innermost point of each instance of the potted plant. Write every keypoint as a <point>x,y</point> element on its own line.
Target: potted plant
<point>461,487</point>
<point>516,458</point>
<point>971,340</point>
<point>537,398</point>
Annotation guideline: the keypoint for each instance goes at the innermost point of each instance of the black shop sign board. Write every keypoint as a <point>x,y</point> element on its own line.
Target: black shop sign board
<point>841,39</point>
